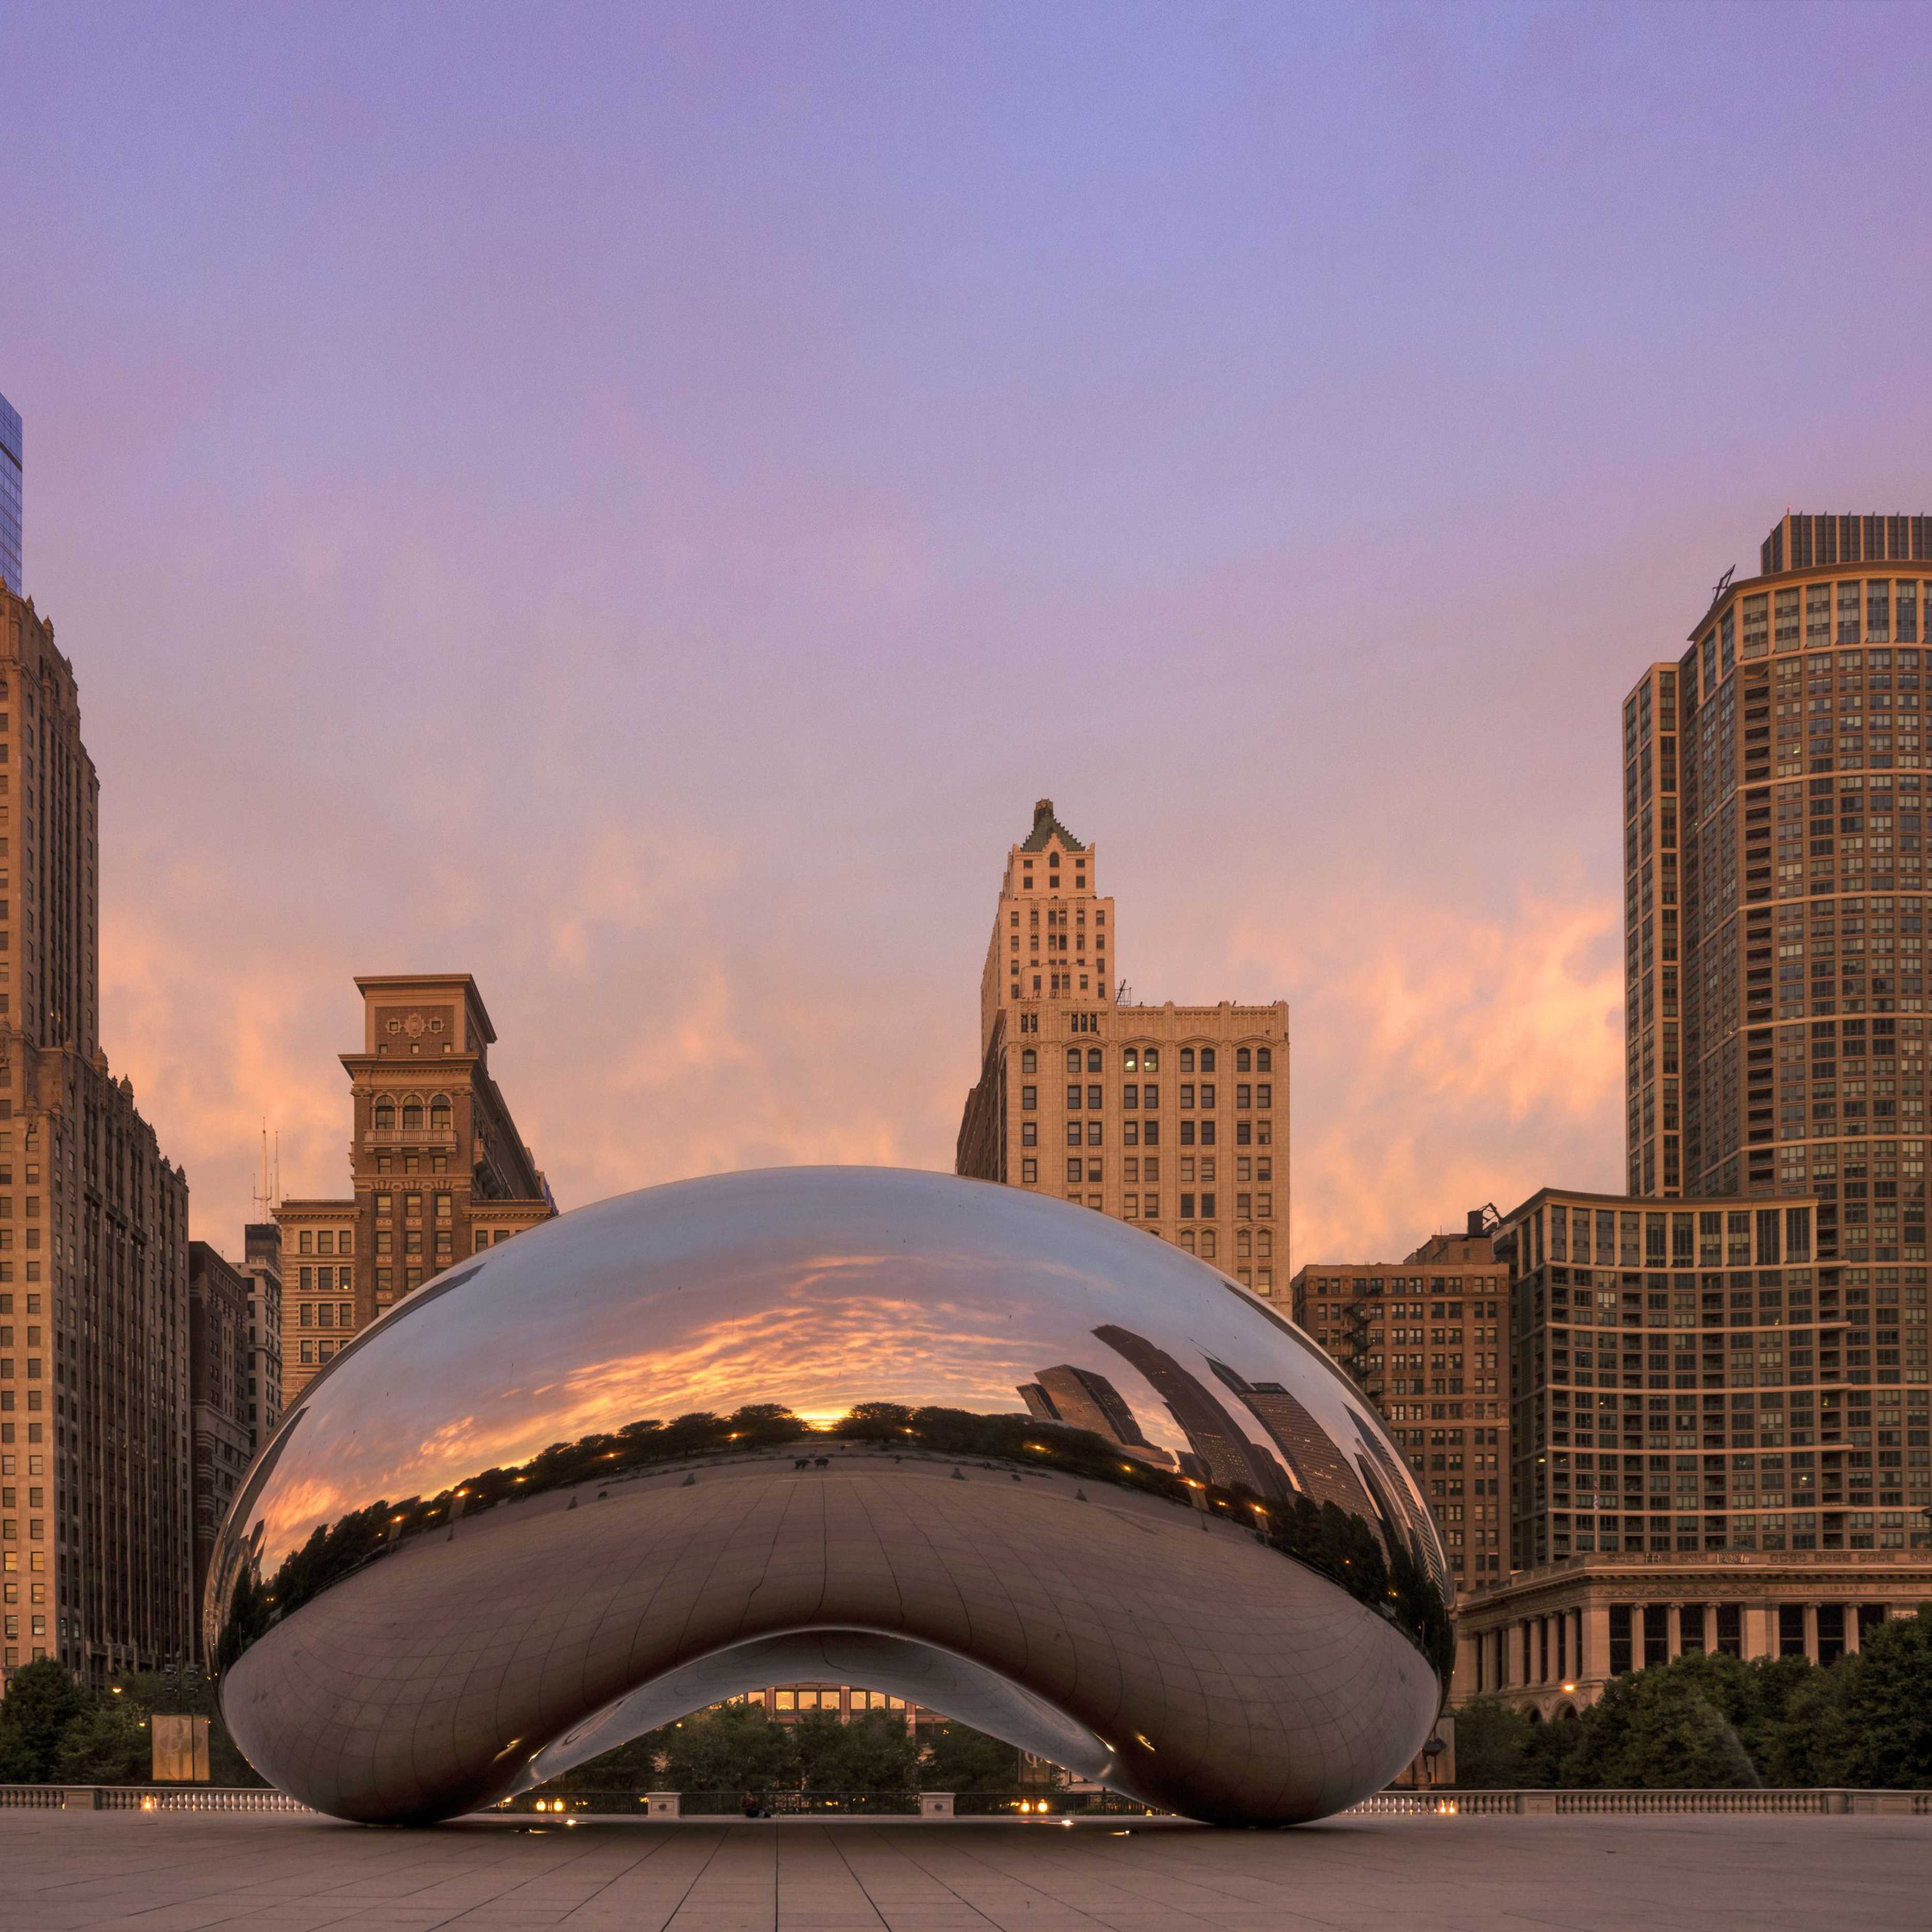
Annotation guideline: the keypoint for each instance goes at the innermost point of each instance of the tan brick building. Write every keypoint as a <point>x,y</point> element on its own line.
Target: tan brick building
<point>1426,1340</point>
<point>1173,1117</point>
<point>96,1540</point>
<point>438,1168</point>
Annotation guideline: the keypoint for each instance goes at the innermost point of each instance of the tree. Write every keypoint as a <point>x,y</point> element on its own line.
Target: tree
<point>874,1752</point>
<point>109,1745</point>
<point>41,1701</point>
<point>190,1693</point>
<point>1886,1702</point>
<point>630,1766</point>
<point>1658,1728</point>
<point>958,1758</point>
<point>1493,1741</point>
<point>735,1748</point>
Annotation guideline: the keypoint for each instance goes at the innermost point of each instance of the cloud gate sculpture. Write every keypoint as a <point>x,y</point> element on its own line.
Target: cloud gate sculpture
<point>1011,1458</point>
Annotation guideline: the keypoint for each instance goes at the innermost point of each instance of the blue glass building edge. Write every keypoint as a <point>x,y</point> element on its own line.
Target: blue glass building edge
<point>11,465</point>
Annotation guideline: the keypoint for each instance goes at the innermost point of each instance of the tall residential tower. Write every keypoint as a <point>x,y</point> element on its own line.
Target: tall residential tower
<point>1775,911</point>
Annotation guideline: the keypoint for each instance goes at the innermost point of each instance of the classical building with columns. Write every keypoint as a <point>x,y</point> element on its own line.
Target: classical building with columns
<point>1721,1440</point>
<point>1551,1638</point>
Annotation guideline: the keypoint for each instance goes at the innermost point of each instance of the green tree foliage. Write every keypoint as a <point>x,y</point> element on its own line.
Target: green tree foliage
<point>109,1744</point>
<point>736,1747</point>
<point>874,1752</point>
<point>632,1766</point>
<point>41,1701</point>
<point>191,1694</point>
<point>958,1758</point>
<point>1716,1721</point>
<point>1658,1728</point>
<point>1885,1698</point>
<point>1492,1741</point>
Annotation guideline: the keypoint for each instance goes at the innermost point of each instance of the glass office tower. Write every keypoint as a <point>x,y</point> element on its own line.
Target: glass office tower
<point>10,495</point>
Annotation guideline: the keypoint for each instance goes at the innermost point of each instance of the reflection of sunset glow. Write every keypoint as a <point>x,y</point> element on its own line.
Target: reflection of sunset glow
<point>685,1332</point>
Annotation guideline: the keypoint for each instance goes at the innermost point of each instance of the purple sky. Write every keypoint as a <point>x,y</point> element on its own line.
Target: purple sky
<point>636,502</point>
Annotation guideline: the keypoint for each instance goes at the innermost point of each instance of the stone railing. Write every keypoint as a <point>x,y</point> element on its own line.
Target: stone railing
<point>1549,1804</point>
<point>147,1798</point>
<point>714,1806</point>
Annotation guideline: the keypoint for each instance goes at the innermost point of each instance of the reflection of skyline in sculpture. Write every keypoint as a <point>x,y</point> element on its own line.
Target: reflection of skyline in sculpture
<point>1223,1455</point>
<point>752,1417</point>
<point>1084,1398</point>
<point>1320,1471</point>
<point>1391,1491</point>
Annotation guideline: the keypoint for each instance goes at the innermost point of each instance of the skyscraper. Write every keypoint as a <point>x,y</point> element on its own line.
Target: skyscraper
<point>95,1522</point>
<point>438,1168</point>
<point>12,462</point>
<point>1166,1116</point>
<point>1775,779</point>
<point>219,1363</point>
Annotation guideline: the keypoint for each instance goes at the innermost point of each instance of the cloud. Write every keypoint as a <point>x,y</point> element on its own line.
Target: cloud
<point>1442,1058</point>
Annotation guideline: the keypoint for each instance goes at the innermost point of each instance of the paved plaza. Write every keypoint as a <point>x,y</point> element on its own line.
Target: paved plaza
<point>90,1872</point>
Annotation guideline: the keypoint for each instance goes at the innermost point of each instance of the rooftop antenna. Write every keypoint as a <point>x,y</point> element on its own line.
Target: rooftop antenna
<point>1723,584</point>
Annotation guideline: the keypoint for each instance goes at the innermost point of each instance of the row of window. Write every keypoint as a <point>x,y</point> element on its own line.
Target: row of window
<point>326,1315</point>
<point>1146,1060</point>
<point>325,1241</point>
<point>326,1279</point>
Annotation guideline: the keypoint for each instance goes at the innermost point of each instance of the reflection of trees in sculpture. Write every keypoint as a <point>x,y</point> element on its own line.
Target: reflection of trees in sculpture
<point>1238,1479</point>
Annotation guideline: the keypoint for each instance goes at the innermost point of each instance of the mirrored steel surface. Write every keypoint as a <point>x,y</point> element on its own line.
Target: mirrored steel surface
<point>952,1441</point>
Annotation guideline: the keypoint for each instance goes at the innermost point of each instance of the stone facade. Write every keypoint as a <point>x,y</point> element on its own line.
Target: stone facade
<point>438,1168</point>
<point>1553,1637</point>
<point>1425,1338</point>
<point>96,1520</point>
<point>1173,1117</point>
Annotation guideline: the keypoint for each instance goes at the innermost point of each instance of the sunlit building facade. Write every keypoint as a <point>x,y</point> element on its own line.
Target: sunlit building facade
<point>96,1520</point>
<point>1427,1340</point>
<point>1173,1117</point>
<point>438,1167</point>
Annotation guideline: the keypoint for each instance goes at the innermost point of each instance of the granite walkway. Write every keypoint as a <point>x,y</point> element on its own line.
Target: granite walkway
<point>132,1872</point>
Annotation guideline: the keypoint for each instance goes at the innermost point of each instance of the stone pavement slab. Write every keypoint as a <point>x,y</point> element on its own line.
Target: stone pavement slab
<point>176,1872</point>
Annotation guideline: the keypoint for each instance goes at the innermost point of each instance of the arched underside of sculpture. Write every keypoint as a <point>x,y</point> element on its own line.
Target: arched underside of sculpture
<point>1007,1459</point>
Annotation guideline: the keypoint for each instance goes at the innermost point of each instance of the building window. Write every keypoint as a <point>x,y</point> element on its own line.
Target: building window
<point>1029,1098</point>
<point>1187,1060</point>
<point>1263,1061</point>
<point>1073,1170</point>
<point>439,1114</point>
<point>1207,1060</point>
<point>413,1117</point>
<point>385,1118</point>
<point>1030,1170</point>
<point>1029,1061</point>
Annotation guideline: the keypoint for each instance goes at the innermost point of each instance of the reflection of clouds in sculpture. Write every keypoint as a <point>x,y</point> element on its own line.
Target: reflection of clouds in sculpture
<point>1105,1384</point>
